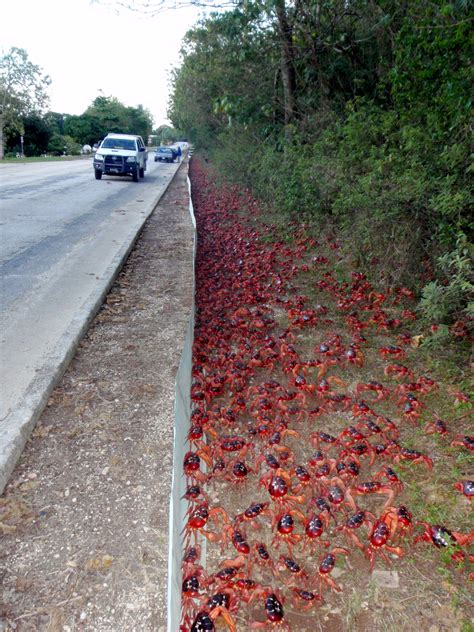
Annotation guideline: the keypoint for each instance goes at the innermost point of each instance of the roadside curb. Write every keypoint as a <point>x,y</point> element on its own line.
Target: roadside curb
<point>17,427</point>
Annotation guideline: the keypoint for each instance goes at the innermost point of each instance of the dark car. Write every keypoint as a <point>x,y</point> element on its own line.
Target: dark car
<point>164,154</point>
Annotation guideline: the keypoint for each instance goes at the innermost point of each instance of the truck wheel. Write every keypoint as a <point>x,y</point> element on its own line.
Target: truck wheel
<point>141,172</point>
<point>135,175</point>
<point>98,174</point>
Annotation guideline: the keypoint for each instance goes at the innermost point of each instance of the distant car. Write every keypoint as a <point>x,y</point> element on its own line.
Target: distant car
<point>165,154</point>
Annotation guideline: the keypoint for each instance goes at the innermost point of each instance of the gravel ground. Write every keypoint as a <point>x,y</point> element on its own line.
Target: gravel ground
<point>84,519</point>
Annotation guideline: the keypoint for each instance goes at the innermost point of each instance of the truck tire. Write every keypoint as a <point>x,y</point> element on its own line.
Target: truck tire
<point>135,175</point>
<point>98,174</point>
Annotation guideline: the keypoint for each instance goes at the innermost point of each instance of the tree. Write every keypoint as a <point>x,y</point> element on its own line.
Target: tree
<point>278,12</point>
<point>140,121</point>
<point>37,135</point>
<point>108,114</point>
<point>86,128</point>
<point>22,90</point>
<point>229,65</point>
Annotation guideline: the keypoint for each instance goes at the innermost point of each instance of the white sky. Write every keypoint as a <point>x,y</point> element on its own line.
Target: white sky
<point>88,50</point>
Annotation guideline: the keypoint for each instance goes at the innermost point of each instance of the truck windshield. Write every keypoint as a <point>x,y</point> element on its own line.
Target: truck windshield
<point>118,143</point>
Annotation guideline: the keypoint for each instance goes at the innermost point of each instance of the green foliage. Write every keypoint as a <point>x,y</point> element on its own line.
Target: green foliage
<point>56,145</point>
<point>467,626</point>
<point>60,145</point>
<point>85,128</point>
<point>453,293</point>
<point>223,66</point>
<point>108,114</point>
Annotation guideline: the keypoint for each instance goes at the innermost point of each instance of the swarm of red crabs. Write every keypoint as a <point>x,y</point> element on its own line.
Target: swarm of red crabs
<point>305,457</point>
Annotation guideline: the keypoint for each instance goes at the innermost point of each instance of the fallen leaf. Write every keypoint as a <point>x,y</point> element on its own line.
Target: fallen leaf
<point>23,583</point>
<point>13,510</point>
<point>42,431</point>
<point>7,529</point>
<point>28,486</point>
<point>99,563</point>
<point>417,340</point>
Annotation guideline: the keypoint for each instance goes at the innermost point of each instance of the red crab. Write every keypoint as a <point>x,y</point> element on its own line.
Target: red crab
<point>278,486</point>
<point>464,441</point>
<point>227,445</point>
<point>413,456</point>
<point>382,531</point>
<point>465,487</point>
<point>252,513</point>
<point>238,471</point>
<point>398,519</point>
<point>192,465</point>
<point>204,621</point>
<point>381,391</point>
<point>441,537</point>
<point>354,356</point>
<point>306,599</point>
<point>399,371</point>
<point>198,519</point>
<point>261,556</point>
<point>314,528</point>
<point>438,426</point>
<point>190,593</point>
<point>355,522</point>
<point>295,570</point>
<point>393,351</point>
<point>370,487</point>
<point>284,529</point>
<point>237,538</point>
<point>326,565</point>
<point>273,604</point>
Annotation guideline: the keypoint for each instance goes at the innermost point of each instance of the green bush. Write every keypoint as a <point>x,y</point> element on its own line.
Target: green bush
<point>452,294</point>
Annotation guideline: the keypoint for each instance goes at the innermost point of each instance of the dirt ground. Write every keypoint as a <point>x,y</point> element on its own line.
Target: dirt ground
<point>84,519</point>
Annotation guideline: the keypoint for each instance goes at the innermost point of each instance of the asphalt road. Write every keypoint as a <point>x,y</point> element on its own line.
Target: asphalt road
<point>63,238</point>
<point>46,209</point>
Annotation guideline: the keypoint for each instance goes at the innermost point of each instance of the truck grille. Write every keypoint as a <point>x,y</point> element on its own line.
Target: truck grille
<point>114,161</point>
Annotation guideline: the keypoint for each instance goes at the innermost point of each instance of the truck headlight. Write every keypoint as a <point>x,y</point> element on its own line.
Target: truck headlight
<point>99,158</point>
<point>131,159</point>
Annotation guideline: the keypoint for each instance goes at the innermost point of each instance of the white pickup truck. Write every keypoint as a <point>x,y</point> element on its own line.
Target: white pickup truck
<point>121,155</point>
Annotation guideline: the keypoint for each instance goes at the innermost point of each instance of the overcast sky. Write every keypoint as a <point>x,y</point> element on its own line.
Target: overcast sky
<point>88,50</point>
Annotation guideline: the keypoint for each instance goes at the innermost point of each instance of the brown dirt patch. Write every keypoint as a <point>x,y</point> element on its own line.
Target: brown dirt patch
<point>85,516</point>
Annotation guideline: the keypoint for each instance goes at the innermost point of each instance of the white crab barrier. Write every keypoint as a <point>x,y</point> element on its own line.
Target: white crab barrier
<point>178,505</point>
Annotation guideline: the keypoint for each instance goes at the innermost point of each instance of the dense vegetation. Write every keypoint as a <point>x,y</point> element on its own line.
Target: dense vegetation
<point>352,114</point>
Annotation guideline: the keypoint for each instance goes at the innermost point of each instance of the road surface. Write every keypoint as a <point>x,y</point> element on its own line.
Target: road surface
<point>63,238</point>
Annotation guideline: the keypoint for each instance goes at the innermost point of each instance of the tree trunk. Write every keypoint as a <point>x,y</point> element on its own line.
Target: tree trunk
<point>288,67</point>
<point>2,126</point>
